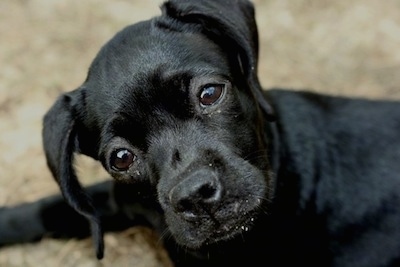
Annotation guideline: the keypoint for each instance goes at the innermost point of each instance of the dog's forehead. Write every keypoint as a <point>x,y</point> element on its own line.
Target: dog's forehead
<point>139,62</point>
<point>144,47</point>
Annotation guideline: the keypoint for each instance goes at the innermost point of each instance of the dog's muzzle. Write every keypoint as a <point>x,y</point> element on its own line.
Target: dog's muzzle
<point>208,192</point>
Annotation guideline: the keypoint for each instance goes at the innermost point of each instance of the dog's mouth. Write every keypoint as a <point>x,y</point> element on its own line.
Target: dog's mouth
<point>234,220</point>
<point>231,228</point>
<point>208,207</point>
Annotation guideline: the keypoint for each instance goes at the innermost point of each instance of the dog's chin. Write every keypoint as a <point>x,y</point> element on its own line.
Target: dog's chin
<point>208,231</point>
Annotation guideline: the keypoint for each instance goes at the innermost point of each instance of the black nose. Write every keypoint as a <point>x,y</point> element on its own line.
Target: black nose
<point>198,194</point>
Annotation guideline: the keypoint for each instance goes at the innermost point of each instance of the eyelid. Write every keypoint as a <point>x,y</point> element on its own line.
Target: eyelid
<point>197,83</point>
<point>113,144</point>
<point>114,158</point>
<point>137,169</point>
<point>213,99</point>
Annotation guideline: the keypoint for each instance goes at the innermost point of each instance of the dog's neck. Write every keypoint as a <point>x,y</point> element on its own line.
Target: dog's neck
<point>272,140</point>
<point>286,175</point>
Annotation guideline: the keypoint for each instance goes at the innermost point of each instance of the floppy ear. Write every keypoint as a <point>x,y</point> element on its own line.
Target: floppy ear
<point>60,143</point>
<point>231,24</point>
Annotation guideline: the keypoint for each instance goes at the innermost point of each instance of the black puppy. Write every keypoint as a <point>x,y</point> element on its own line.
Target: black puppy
<point>229,174</point>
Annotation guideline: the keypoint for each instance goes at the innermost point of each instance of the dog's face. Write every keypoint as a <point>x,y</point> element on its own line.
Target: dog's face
<point>177,119</point>
<point>171,103</point>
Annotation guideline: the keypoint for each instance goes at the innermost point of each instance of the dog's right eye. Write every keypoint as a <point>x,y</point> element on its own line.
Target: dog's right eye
<point>122,159</point>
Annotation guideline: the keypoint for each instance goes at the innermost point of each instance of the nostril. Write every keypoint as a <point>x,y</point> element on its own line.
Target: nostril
<point>176,157</point>
<point>208,193</point>
<point>185,205</point>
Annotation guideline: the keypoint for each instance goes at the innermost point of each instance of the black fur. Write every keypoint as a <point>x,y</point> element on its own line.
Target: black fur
<point>251,178</point>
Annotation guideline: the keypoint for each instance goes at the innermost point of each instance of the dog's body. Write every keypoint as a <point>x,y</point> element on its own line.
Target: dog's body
<point>229,174</point>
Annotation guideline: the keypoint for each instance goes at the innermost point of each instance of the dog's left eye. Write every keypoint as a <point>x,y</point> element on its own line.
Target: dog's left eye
<point>122,159</point>
<point>210,94</point>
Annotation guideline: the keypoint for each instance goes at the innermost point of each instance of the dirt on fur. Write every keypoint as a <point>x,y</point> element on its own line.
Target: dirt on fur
<point>338,47</point>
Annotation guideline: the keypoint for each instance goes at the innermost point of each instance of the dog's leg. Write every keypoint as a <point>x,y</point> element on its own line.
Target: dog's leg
<point>53,217</point>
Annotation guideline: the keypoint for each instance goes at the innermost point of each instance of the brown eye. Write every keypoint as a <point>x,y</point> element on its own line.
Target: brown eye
<point>121,159</point>
<point>210,94</point>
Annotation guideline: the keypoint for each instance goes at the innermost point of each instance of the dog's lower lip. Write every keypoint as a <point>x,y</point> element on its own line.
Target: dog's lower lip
<point>222,230</point>
<point>237,227</point>
<point>228,231</point>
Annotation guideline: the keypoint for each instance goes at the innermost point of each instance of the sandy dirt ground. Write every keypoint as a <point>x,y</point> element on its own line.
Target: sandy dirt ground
<point>338,47</point>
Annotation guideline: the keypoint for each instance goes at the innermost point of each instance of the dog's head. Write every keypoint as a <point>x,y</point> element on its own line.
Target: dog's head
<point>174,102</point>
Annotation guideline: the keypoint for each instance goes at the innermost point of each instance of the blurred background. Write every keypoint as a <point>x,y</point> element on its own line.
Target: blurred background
<point>336,47</point>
